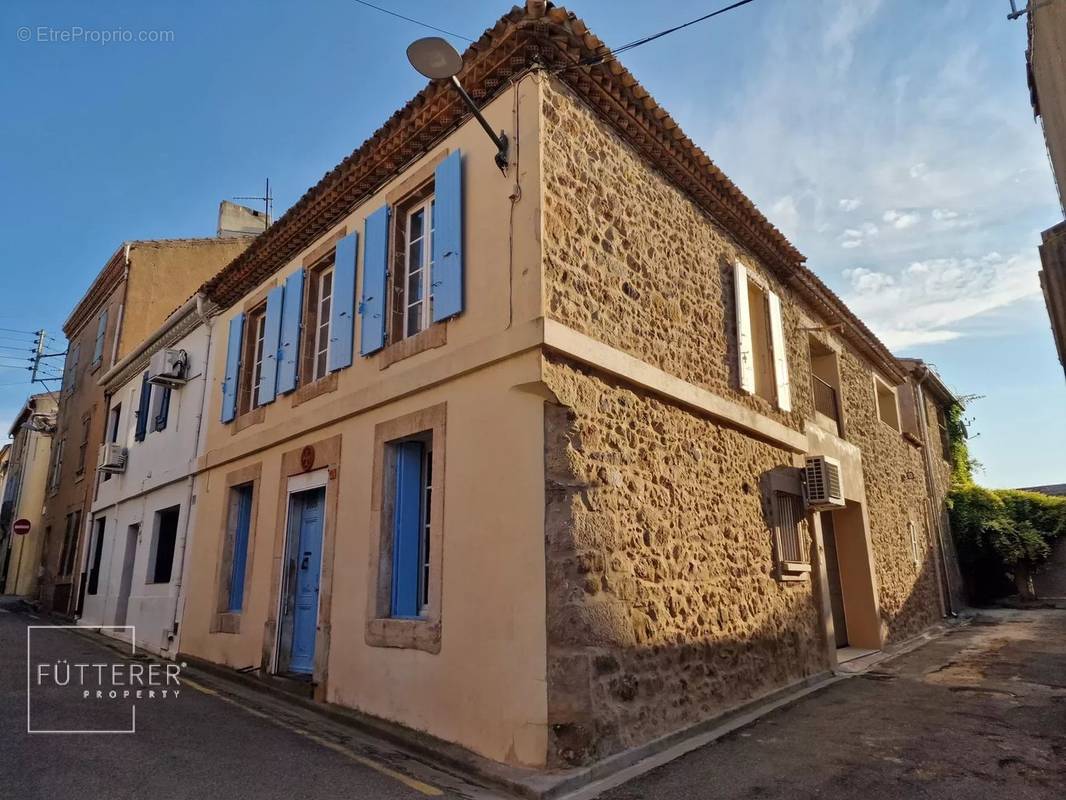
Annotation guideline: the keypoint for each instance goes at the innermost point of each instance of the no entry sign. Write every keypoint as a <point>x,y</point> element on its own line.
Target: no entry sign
<point>21,527</point>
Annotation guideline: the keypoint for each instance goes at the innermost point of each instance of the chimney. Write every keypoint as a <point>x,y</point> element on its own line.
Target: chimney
<point>237,220</point>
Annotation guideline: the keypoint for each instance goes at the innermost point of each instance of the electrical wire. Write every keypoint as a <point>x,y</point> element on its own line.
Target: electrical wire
<point>613,53</point>
<point>415,21</point>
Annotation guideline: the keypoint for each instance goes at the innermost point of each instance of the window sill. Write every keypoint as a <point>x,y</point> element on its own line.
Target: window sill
<point>248,419</point>
<point>227,622</point>
<point>95,366</point>
<point>79,476</point>
<point>410,634</point>
<point>435,335</point>
<point>793,571</point>
<point>309,391</point>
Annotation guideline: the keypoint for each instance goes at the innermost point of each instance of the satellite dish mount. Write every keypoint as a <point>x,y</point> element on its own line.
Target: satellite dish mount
<point>435,58</point>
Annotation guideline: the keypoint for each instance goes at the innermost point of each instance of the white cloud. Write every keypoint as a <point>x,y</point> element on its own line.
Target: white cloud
<point>918,171</point>
<point>933,300</point>
<point>850,203</point>
<point>902,219</point>
<point>941,214</point>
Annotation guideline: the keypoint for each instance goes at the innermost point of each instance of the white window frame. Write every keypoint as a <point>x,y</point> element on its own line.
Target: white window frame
<point>257,358</point>
<point>745,341</point>
<point>426,269</point>
<point>322,322</point>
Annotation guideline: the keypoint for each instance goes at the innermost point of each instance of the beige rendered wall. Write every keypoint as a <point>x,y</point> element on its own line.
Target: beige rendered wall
<point>23,568</point>
<point>165,274</point>
<point>485,688</point>
<point>664,554</point>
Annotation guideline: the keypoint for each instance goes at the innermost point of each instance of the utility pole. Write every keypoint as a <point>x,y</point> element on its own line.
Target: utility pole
<point>37,355</point>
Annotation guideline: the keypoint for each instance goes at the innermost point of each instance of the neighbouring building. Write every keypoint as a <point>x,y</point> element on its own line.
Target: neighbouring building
<point>1045,60</point>
<point>139,286</point>
<point>530,461</point>
<point>23,494</point>
<point>142,513</point>
<point>1048,582</point>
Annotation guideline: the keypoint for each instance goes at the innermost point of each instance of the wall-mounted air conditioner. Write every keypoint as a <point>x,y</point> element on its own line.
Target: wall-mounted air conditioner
<point>823,484</point>
<point>168,367</point>
<point>112,458</point>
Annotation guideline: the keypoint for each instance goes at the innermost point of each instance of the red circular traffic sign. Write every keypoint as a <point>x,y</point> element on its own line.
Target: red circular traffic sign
<point>21,527</point>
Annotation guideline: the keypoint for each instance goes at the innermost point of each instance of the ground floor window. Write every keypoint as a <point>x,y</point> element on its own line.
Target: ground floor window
<point>240,526</point>
<point>411,489</point>
<point>97,553</point>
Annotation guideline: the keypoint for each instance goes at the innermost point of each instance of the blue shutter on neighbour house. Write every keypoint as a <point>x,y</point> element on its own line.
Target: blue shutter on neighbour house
<point>268,377</point>
<point>233,365</point>
<point>375,270</point>
<point>447,272</point>
<point>163,412</point>
<point>144,406</point>
<point>407,524</point>
<point>242,526</point>
<point>342,310</point>
<point>289,346</point>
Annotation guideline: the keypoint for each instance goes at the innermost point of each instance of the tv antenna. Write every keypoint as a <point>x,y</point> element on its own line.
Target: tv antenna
<point>266,199</point>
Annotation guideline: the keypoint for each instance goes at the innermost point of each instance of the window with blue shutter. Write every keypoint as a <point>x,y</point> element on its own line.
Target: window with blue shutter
<point>447,244</point>
<point>342,312</point>
<point>412,488</point>
<point>268,370</point>
<point>233,365</point>
<point>375,270</point>
<point>144,406</point>
<point>289,344</point>
<point>241,510</point>
<point>162,408</point>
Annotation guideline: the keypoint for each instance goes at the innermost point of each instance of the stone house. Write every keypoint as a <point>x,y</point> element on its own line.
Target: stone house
<point>139,286</point>
<point>517,459</point>
<point>23,494</point>
<point>142,512</point>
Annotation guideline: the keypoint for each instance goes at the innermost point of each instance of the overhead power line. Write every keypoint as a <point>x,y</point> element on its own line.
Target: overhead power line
<point>614,52</point>
<point>415,21</point>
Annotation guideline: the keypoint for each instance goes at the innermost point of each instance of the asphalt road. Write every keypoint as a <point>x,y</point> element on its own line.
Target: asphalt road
<point>194,744</point>
<point>979,714</point>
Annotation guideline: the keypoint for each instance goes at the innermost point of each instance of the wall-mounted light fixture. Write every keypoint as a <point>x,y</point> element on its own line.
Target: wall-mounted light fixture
<point>438,60</point>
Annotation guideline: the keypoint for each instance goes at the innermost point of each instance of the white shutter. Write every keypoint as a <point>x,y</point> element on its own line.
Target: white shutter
<point>777,342</point>
<point>746,364</point>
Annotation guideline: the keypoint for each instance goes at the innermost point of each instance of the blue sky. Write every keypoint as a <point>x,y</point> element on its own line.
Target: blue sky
<point>891,141</point>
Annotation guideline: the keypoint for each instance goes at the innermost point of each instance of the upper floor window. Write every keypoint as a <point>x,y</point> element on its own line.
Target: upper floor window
<point>57,465</point>
<point>83,445</point>
<point>825,386</point>
<point>412,291</point>
<point>101,333</point>
<point>70,378</point>
<point>887,405</point>
<point>763,360</point>
<point>252,373</point>
<point>317,318</point>
<point>945,437</point>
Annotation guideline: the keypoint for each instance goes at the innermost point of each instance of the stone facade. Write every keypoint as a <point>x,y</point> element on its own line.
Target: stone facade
<point>663,606</point>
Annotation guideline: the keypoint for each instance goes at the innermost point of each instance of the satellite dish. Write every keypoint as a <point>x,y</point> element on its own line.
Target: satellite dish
<point>434,58</point>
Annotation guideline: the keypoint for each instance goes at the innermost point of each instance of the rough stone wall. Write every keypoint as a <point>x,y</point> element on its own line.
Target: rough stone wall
<point>941,460</point>
<point>894,477</point>
<point>662,605</point>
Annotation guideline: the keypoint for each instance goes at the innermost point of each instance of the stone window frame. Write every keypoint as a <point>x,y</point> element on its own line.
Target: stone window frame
<point>224,620</point>
<point>382,630</point>
<point>781,483</point>
<point>83,444</point>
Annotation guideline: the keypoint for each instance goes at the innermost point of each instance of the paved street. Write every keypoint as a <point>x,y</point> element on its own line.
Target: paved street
<point>198,744</point>
<point>979,713</point>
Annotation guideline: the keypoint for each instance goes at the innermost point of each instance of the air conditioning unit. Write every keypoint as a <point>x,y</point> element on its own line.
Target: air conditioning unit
<point>823,485</point>
<point>112,458</point>
<point>168,367</point>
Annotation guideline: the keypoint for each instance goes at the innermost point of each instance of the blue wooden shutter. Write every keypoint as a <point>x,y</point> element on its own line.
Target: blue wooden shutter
<point>233,365</point>
<point>164,409</point>
<point>342,308</point>
<point>375,269</point>
<point>447,272</point>
<point>407,524</point>
<point>143,408</point>
<point>240,548</point>
<point>289,348</point>
<point>268,378</point>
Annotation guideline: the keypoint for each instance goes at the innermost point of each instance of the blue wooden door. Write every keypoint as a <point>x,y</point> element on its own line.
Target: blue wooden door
<point>309,506</point>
